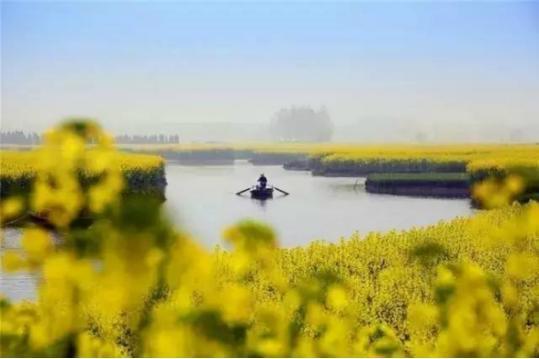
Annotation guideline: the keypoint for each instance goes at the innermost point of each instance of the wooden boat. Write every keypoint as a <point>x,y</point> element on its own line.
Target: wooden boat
<point>261,193</point>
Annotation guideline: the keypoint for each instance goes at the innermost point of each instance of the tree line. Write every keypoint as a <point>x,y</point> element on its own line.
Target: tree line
<point>147,139</point>
<point>32,138</point>
<point>19,138</point>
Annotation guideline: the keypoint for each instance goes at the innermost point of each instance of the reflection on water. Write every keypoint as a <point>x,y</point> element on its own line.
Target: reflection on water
<point>202,200</point>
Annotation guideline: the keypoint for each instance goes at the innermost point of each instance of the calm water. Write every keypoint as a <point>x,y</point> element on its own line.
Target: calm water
<point>202,201</point>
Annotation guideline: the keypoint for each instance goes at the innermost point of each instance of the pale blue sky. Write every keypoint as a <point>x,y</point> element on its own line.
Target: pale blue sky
<point>151,64</point>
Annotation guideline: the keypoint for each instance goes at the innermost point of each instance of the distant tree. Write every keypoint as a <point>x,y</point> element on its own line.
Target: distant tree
<point>302,124</point>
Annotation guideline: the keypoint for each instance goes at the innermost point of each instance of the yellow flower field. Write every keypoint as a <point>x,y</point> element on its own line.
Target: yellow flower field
<point>343,152</point>
<point>133,285</point>
<point>19,169</point>
<point>15,164</point>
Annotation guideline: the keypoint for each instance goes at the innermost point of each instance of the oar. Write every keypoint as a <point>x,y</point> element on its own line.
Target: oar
<point>280,190</point>
<point>245,190</point>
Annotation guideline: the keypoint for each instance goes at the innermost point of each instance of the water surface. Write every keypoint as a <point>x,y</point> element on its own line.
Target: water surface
<point>203,201</point>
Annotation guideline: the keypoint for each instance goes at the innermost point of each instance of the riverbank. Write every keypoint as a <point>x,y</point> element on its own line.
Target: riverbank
<point>363,167</point>
<point>445,185</point>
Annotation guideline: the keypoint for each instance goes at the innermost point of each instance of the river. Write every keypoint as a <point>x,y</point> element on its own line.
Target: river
<point>202,201</point>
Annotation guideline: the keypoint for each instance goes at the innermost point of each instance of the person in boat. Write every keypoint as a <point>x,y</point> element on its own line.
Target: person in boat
<point>262,181</point>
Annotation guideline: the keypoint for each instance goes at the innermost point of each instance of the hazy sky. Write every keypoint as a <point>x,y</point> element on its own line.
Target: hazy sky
<point>148,64</point>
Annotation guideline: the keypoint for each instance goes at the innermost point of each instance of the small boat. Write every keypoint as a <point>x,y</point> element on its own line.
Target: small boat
<point>258,192</point>
<point>261,193</point>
